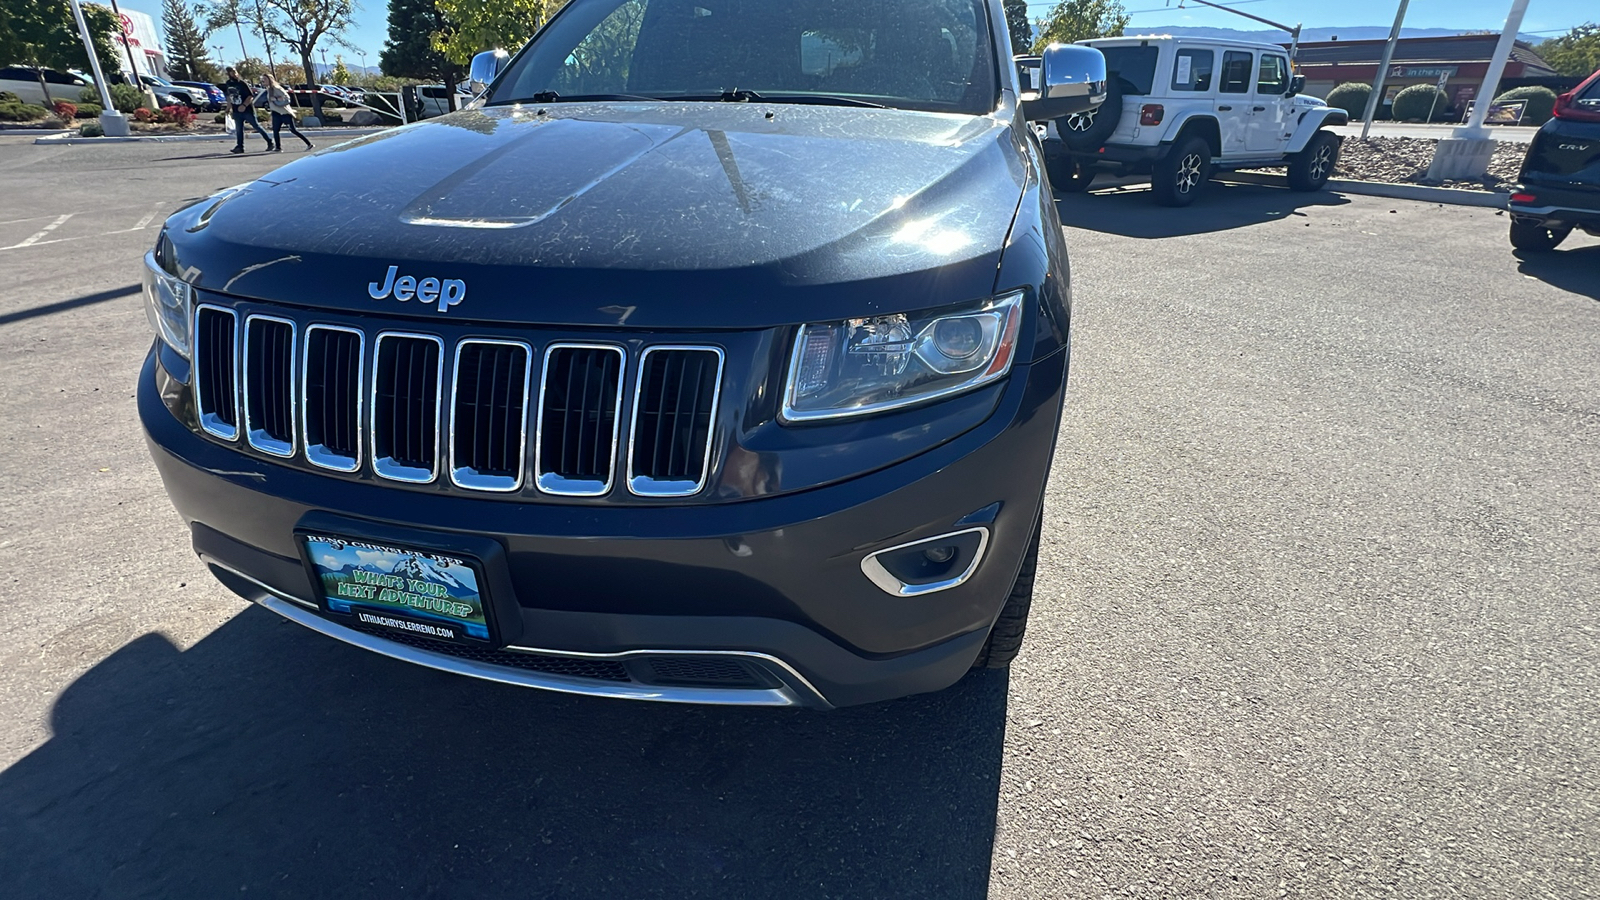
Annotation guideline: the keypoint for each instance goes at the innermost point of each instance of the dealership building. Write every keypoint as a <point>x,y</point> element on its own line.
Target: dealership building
<point>1460,61</point>
<point>138,35</point>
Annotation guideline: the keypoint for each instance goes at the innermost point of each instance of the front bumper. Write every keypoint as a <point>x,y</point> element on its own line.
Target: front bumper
<point>775,585</point>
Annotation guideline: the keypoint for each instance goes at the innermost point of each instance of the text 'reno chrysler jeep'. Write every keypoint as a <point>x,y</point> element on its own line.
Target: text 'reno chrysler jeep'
<point>716,355</point>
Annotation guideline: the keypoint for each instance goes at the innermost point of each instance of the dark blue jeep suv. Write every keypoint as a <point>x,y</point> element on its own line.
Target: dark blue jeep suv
<point>714,354</point>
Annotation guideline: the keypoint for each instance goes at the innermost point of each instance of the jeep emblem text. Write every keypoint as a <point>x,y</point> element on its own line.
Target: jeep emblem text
<point>446,293</point>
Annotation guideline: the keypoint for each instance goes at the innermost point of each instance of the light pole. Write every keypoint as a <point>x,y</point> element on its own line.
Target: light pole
<point>113,123</point>
<point>1465,154</point>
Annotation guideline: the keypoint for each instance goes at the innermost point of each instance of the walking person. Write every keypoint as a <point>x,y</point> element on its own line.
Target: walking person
<point>241,105</point>
<point>278,101</point>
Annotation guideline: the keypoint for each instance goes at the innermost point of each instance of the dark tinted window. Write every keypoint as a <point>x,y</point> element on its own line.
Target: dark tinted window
<point>1591,94</point>
<point>1191,70</point>
<point>1236,72</point>
<point>923,54</point>
<point>1273,76</point>
<point>1136,66</point>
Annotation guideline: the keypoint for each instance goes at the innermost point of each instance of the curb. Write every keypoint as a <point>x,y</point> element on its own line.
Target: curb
<point>70,137</point>
<point>1419,192</point>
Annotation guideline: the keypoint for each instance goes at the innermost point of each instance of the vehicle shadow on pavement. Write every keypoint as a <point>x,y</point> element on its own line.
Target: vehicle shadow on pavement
<point>1575,269</point>
<point>1128,210</point>
<point>273,761</point>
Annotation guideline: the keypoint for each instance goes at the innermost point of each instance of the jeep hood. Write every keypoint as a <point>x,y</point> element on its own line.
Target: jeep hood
<point>649,215</point>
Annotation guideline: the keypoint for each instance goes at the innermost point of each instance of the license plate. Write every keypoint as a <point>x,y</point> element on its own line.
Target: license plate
<point>415,592</point>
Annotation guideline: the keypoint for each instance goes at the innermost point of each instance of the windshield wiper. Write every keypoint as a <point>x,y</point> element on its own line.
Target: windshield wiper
<point>743,96</point>
<point>553,97</point>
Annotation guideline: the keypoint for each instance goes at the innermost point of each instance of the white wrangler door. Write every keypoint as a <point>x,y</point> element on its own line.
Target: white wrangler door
<point>1269,108</point>
<point>1234,99</point>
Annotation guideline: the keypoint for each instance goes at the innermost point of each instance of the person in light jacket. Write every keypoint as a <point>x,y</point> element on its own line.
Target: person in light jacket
<point>277,99</point>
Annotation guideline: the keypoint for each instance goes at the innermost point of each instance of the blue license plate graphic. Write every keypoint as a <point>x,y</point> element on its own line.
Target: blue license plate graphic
<point>368,580</point>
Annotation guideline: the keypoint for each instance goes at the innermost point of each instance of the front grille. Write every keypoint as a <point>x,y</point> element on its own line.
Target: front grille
<point>214,367</point>
<point>488,416</point>
<point>670,448</point>
<point>332,402</point>
<point>405,411</point>
<point>269,384</point>
<point>578,419</point>
<point>319,389</point>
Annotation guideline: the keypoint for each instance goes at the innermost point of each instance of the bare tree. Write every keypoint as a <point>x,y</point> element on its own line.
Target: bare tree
<point>302,24</point>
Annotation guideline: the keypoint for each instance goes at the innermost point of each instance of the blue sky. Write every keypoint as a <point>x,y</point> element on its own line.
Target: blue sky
<point>1544,16</point>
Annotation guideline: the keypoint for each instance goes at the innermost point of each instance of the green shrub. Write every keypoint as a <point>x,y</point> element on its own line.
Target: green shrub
<point>12,111</point>
<point>1541,103</point>
<point>8,97</point>
<point>1413,104</point>
<point>126,98</point>
<point>91,129</point>
<point>89,95</point>
<point>89,110</point>
<point>1351,97</point>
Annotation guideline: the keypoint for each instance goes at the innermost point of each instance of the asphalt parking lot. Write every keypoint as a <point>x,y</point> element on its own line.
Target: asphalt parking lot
<point>1316,613</point>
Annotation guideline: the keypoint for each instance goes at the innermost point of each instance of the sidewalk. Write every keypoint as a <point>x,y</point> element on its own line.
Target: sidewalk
<point>72,137</point>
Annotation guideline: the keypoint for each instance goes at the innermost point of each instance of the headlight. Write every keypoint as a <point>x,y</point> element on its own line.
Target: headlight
<point>166,304</point>
<point>863,366</point>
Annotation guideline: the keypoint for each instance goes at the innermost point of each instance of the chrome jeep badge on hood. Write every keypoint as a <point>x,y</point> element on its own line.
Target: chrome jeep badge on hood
<point>446,293</point>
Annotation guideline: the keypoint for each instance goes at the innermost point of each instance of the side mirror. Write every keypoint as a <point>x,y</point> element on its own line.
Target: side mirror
<point>1072,79</point>
<point>1297,83</point>
<point>486,68</point>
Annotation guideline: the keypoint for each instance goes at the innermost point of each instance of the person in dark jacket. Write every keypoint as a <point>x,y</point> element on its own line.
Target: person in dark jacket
<point>278,100</point>
<point>241,105</point>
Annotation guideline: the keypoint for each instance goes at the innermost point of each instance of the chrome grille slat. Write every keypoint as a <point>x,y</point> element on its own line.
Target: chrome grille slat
<point>405,418</point>
<point>330,406</point>
<point>269,384</point>
<point>487,453</point>
<point>670,438</point>
<point>578,424</point>
<point>215,367</point>
<point>287,387</point>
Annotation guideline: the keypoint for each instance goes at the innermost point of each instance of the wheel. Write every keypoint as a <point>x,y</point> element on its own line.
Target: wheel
<point>1067,174</point>
<point>1005,638</point>
<point>1088,131</point>
<point>1311,168</point>
<point>1176,178</point>
<point>1535,236</point>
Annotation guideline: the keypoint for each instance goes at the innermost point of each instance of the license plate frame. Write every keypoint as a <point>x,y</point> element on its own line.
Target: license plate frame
<point>403,589</point>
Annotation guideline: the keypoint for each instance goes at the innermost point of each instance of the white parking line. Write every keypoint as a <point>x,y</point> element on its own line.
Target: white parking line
<point>28,242</point>
<point>142,222</point>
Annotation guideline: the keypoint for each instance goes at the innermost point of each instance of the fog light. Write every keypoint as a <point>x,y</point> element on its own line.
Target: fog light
<point>929,565</point>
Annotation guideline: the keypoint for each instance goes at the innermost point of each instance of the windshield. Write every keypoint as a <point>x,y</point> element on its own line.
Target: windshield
<point>917,54</point>
<point>1136,66</point>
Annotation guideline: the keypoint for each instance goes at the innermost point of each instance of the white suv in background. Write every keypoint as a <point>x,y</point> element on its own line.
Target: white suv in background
<point>1181,108</point>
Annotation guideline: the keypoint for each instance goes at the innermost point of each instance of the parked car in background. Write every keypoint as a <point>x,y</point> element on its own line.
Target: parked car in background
<point>1561,174</point>
<point>1181,108</point>
<point>24,82</point>
<point>194,98</point>
<point>214,94</point>
<point>435,99</point>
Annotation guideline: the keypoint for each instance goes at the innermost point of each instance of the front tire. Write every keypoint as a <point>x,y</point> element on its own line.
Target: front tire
<point>1534,236</point>
<point>1005,638</point>
<point>1176,178</point>
<point>1311,168</point>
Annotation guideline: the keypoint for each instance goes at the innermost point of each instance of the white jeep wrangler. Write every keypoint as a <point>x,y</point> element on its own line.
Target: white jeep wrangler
<point>1181,108</point>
